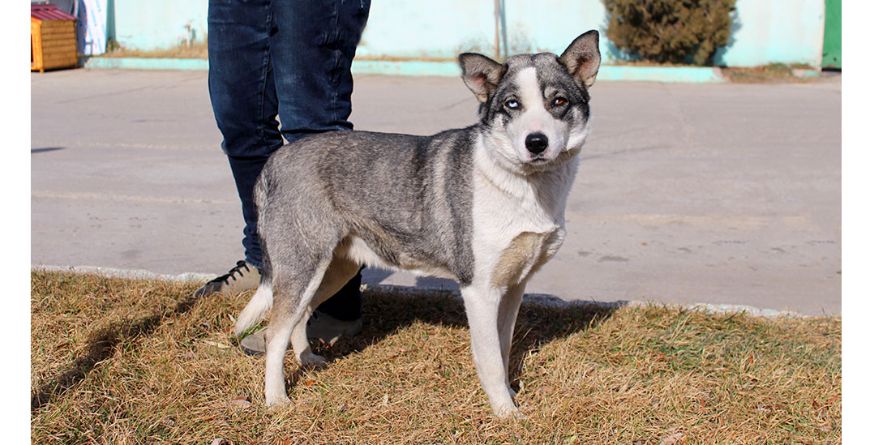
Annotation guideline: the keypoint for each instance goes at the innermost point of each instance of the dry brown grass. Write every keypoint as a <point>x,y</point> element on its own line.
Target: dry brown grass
<point>77,321</point>
<point>198,50</point>
<point>773,73</point>
<point>633,375</point>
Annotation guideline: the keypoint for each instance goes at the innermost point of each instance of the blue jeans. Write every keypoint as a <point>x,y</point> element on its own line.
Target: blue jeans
<point>286,58</point>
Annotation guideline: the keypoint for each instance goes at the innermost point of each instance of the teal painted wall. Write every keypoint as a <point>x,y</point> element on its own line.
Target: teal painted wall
<point>766,31</point>
<point>535,26</point>
<point>157,24</point>
<point>422,28</point>
<point>776,31</point>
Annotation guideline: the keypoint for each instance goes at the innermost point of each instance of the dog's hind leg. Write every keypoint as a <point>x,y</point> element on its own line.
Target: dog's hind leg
<point>339,272</point>
<point>507,317</point>
<point>294,288</point>
<point>482,307</point>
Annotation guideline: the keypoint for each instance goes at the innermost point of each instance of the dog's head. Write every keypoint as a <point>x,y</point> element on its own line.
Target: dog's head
<point>535,107</point>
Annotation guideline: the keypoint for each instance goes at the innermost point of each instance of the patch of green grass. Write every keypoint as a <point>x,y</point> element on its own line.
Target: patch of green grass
<point>585,375</point>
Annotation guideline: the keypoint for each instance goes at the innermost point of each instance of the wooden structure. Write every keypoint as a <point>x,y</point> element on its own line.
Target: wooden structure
<point>53,38</point>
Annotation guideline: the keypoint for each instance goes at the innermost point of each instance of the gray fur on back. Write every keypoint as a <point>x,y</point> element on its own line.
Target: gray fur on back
<point>321,189</point>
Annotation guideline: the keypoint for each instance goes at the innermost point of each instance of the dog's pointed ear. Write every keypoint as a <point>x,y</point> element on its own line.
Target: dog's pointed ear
<point>582,57</point>
<point>480,73</point>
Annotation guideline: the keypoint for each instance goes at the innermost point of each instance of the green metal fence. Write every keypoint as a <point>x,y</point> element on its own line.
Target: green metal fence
<point>832,49</point>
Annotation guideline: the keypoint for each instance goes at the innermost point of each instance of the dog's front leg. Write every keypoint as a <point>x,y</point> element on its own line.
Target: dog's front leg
<point>482,307</point>
<point>507,316</point>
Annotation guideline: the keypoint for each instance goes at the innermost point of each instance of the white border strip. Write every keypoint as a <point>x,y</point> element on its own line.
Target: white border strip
<point>133,274</point>
<point>537,299</point>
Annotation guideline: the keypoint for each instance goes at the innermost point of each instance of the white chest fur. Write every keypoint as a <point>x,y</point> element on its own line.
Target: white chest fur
<point>519,220</point>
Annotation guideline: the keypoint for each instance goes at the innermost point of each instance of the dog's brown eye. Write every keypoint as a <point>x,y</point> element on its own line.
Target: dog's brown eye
<point>560,101</point>
<point>512,104</point>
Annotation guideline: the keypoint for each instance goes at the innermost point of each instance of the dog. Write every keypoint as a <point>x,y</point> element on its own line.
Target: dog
<point>482,205</point>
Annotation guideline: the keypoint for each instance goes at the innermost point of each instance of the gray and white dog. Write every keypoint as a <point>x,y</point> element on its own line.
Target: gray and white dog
<point>483,205</point>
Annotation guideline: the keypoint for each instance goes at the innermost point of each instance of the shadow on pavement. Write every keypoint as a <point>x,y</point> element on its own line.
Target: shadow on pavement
<point>45,149</point>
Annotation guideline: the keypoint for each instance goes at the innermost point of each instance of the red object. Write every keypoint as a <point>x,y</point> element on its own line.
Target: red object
<point>49,12</point>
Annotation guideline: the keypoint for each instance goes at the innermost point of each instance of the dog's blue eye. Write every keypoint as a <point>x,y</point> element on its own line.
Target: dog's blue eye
<point>512,104</point>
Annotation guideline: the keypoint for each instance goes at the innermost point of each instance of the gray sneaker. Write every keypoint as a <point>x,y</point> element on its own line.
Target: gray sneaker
<point>243,277</point>
<point>320,326</point>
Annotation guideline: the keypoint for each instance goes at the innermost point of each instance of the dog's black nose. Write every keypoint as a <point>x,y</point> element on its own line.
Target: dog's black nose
<point>536,143</point>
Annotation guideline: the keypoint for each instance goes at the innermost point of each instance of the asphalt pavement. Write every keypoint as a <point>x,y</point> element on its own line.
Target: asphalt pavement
<point>715,193</point>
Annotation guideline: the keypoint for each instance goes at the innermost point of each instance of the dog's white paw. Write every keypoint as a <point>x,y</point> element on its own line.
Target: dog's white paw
<point>277,401</point>
<point>517,415</point>
<point>311,360</point>
<point>507,411</point>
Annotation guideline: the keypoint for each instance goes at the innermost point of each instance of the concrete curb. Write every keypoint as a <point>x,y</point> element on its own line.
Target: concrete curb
<point>536,299</point>
<point>140,63</point>
<point>679,74</point>
<point>805,73</point>
<point>131,274</point>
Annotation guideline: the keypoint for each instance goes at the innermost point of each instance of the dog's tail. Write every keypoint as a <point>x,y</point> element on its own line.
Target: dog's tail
<point>263,298</point>
<point>258,306</point>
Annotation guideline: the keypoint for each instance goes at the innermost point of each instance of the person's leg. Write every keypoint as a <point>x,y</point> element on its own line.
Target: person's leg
<point>244,101</point>
<point>312,50</point>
